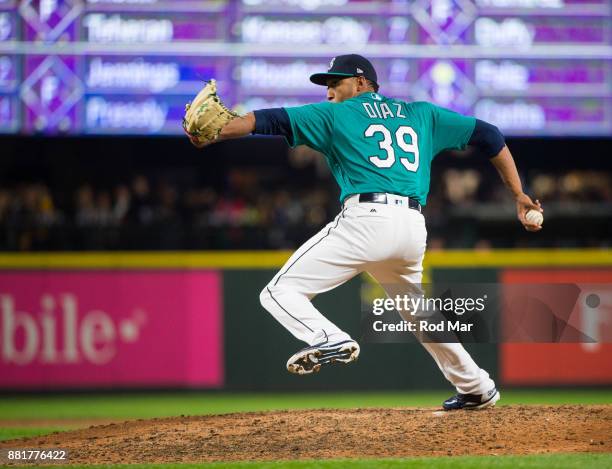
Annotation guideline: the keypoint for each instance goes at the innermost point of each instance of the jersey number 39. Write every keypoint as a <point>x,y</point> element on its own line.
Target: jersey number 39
<point>387,144</point>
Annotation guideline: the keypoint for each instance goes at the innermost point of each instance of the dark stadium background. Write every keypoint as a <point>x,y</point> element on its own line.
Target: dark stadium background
<point>87,193</point>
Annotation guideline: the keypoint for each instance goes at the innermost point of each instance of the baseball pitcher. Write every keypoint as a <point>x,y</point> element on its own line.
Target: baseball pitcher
<point>380,151</point>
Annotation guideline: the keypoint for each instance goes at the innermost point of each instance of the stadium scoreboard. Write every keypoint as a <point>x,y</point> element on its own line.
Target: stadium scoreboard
<point>532,67</point>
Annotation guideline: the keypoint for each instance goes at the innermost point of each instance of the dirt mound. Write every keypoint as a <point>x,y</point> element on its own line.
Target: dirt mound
<point>350,433</point>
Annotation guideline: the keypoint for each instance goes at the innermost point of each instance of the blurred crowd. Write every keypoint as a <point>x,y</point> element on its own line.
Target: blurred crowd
<point>142,215</point>
<point>465,209</point>
<point>463,186</point>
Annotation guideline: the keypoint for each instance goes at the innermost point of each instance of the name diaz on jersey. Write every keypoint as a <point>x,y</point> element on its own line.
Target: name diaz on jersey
<point>382,110</point>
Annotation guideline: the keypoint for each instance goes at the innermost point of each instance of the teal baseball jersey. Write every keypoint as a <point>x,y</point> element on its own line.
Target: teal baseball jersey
<point>377,144</point>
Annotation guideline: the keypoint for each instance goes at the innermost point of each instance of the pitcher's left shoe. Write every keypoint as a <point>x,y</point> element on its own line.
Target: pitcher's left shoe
<point>311,359</point>
<point>472,401</point>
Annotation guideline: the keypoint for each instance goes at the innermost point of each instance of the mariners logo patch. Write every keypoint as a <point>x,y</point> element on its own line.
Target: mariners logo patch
<point>331,63</point>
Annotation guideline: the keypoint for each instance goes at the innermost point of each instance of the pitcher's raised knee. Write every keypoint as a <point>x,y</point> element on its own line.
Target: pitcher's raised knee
<point>265,298</point>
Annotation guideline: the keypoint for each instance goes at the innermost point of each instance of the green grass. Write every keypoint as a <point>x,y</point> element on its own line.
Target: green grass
<point>147,405</point>
<point>11,433</point>
<point>565,461</point>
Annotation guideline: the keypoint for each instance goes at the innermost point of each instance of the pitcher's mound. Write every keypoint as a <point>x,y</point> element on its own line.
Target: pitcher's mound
<point>350,433</point>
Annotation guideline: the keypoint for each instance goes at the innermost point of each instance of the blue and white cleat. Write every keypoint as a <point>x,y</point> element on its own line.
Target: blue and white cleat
<point>472,401</point>
<point>311,359</point>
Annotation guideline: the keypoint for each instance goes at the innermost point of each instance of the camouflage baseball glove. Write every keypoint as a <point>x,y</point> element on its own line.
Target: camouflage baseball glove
<point>206,115</point>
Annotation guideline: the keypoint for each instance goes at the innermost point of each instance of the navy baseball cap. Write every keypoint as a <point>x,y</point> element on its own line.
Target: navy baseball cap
<point>343,66</point>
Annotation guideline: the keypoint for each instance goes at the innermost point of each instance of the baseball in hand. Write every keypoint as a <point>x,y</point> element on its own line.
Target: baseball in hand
<point>535,217</point>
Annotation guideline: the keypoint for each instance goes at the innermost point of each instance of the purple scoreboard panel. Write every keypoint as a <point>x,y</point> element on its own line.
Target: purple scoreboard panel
<point>532,67</point>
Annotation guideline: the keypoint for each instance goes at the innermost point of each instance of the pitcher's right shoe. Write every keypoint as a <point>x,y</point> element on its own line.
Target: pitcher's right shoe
<point>472,401</point>
<point>311,359</point>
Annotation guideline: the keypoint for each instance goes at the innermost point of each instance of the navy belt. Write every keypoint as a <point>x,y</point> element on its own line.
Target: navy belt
<point>381,198</point>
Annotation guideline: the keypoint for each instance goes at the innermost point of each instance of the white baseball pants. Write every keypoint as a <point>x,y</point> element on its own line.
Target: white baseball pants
<point>387,241</point>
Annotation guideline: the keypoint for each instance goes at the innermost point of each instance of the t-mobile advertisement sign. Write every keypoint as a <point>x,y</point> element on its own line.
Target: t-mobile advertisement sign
<point>110,329</point>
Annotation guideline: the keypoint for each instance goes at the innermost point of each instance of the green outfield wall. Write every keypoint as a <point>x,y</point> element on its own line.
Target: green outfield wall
<point>254,347</point>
